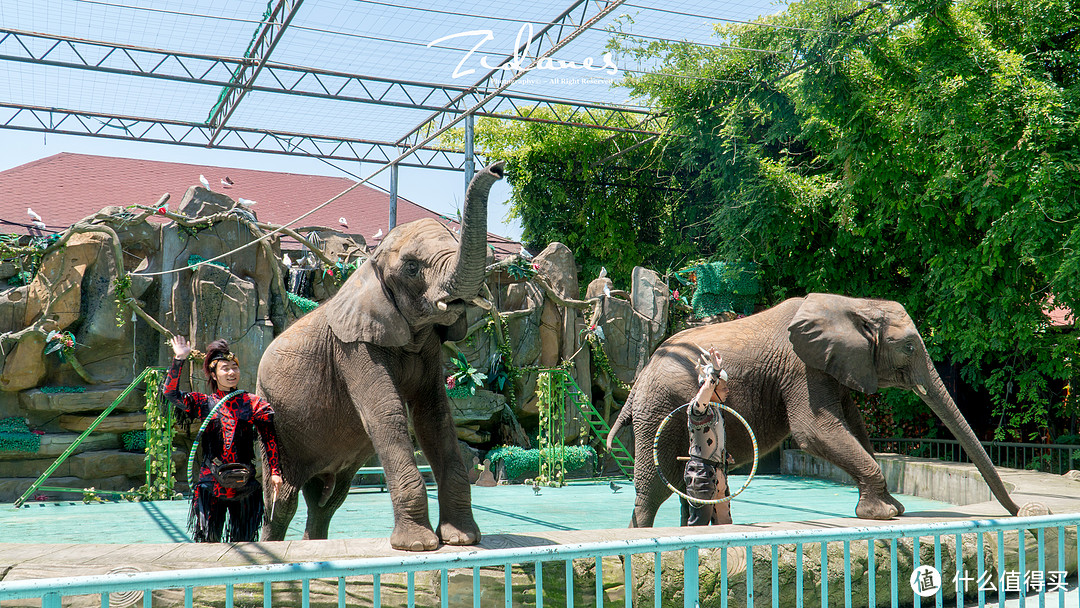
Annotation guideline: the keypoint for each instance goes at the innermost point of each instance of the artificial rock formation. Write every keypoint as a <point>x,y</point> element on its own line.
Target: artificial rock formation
<point>243,298</point>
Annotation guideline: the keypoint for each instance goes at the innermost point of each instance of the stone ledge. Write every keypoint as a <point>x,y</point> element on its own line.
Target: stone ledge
<point>113,423</point>
<point>54,444</point>
<point>951,482</point>
<point>93,400</point>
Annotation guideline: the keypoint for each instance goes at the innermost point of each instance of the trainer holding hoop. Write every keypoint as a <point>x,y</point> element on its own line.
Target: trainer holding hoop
<point>226,481</point>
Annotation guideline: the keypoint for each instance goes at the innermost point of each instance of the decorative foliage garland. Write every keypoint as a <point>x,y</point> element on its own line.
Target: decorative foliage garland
<point>159,435</point>
<point>466,378</point>
<point>134,441</point>
<point>194,259</point>
<point>552,430</point>
<point>518,461</point>
<point>342,272</point>
<point>16,436</point>
<point>62,389</point>
<point>121,285</point>
<point>28,257</point>
<point>305,305</point>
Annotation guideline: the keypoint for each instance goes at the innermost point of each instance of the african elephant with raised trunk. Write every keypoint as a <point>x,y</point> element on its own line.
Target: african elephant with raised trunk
<point>340,377</point>
<point>791,371</point>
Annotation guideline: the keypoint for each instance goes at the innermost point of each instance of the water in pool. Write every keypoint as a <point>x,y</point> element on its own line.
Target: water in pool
<point>500,510</point>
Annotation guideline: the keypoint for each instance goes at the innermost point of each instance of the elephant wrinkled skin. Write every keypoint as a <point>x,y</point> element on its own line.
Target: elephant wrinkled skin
<point>791,371</point>
<point>340,377</point>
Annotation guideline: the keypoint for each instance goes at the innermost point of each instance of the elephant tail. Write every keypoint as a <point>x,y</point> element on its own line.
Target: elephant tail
<point>624,418</point>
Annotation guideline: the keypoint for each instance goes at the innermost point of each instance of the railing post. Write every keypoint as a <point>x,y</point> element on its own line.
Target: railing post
<point>690,577</point>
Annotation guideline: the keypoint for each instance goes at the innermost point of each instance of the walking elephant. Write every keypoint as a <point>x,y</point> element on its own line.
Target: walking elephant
<point>791,371</point>
<point>340,377</point>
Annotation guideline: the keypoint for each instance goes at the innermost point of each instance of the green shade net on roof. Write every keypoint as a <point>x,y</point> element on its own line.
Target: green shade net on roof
<point>726,287</point>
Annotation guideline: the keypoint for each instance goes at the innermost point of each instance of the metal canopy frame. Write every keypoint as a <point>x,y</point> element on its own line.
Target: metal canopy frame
<point>237,77</point>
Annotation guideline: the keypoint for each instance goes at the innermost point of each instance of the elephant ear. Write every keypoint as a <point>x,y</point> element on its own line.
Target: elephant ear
<point>455,331</point>
<point>837,335</point>
<point>364,311</point>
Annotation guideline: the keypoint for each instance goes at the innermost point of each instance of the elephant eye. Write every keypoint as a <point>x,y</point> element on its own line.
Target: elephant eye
<point>909,347</point>
<point>412,268</point>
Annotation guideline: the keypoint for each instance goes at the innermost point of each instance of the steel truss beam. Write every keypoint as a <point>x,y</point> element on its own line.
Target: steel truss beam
<point>113,126</point>
<point>210,70</point>
<point>268,36</point>
<point>566,26</point>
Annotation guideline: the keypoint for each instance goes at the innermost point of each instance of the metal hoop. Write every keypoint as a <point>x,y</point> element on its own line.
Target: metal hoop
<point>699,501</point>
<point>198,437</point>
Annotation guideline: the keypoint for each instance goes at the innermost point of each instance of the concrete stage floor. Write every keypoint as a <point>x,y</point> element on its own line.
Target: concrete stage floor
<point>514,509</point>
<point>52,541</point>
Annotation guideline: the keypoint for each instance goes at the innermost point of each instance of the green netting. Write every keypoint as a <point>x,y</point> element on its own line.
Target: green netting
<point>15,436</point>
<point>134,441</point>
<point>726,287</point>
<point>304,304</point>
<point>519,461</point>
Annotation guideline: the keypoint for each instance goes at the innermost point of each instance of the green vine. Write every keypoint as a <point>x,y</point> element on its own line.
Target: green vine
<point>553,451</point>
<point>600,358</point>
<point>159,441</point>
<point>507,356</point>
<point>121,285</point>
<point>27,257</point>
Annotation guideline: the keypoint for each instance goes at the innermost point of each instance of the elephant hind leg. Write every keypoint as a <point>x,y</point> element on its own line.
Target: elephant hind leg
<point>324,494</point>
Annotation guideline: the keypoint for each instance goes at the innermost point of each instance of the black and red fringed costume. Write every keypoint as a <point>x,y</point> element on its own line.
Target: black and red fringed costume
<point>228,439</point>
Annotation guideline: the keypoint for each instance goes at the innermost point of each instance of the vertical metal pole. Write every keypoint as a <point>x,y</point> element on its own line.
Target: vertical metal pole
<point>470,159</point>
<point>393,195</point>
<point>690,576</point>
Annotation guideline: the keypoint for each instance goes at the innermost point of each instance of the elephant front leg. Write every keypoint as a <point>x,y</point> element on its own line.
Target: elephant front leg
<point>830,439</point>
<point>408,494</point>
<point>438,439</point>
<point>279,510</point>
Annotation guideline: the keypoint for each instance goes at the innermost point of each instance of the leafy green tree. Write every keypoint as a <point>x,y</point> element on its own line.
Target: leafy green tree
<point>613,206</point>
<point>922,151</point>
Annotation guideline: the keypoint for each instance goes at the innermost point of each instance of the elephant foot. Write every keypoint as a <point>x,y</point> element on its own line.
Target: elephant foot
<point>896,503</point>
<point>453,534</point>
<point>873,507</point>
<point>410,536</point>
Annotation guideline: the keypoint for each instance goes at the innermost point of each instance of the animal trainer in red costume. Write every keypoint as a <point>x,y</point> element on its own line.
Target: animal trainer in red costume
<point>226,481</point>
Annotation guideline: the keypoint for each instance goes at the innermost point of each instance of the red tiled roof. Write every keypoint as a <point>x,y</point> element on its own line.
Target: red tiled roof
<point>65,188</point>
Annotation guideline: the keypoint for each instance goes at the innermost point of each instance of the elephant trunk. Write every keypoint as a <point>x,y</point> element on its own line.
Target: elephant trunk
<point>468,273</point>
<point>937,397</point>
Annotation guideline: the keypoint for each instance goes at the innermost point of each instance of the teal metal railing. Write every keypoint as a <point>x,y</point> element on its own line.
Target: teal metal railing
<point>1045,457</point>
<point>827,567</point>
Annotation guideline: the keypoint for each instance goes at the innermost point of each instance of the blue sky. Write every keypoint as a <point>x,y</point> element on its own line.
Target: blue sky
<point>369,37</point>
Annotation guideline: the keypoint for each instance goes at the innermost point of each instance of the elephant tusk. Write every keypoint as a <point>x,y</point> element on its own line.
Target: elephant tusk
<point>441,305</point>
<point>482,303</point>
<point>920,388</point>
